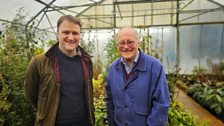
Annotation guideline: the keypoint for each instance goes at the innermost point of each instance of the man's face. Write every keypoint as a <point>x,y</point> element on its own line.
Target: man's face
<point>127,44</point>
<point>68,37</point>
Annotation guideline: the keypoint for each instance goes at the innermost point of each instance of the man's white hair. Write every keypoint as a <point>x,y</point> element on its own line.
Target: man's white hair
<point>131,28</point>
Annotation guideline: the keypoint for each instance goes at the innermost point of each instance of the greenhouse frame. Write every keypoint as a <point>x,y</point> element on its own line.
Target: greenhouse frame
<point>179,27</point>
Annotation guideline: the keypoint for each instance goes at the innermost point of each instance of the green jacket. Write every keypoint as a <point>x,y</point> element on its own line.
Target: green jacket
<point>42,86</point>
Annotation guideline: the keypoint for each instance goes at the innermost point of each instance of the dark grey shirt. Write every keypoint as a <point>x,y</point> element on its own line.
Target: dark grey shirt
<point>72,105</point>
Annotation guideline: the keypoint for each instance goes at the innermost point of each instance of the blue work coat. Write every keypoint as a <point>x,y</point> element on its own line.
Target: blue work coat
<point>142,99</point>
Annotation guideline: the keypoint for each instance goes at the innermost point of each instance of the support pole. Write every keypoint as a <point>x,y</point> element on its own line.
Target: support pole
<point>177,39</point>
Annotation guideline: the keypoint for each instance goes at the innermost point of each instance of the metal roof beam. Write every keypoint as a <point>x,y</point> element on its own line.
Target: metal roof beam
<point>74,6</point>
<point>139,2</point>
<point>53,8</point>
<point>186,4</point>
<point>211,10</point>
<point>119,10</point>
<point>48,5</point>
<point>90,7</point>
<point>216,3</point>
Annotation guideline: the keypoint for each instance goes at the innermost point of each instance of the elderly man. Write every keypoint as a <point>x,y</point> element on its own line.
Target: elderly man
<point>136,88</point>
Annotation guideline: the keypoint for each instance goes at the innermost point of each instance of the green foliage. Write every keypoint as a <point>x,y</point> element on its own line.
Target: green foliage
<point>199,70</point>
<point>146,44</point>
<point>171,81</point>
<point>99,101</point>
<point>4,104</point>
<point>89,44</point>
<point>50,42</point>
<point>111,52</point>
<point>97,67</point>
<point>179,117</point>
<point>100,111</point>
<point>14,109</point>
<point>98,85</point>
<point>149,47</point>
<point>99,82</point>
<point>39,51</point>
<point>211,96</point>
<point>222,65</point>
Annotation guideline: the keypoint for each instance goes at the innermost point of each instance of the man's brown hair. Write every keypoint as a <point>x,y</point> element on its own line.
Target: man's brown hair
<point>70,18</point>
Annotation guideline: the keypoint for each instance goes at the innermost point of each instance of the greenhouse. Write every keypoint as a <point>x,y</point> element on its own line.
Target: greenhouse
<point>185,36</point>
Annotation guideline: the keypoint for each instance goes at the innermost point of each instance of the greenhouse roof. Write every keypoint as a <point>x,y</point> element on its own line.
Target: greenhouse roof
<point>107,14</point>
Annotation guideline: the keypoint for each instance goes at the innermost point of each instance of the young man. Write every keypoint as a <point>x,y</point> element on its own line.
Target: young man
<point>137,92</point>
<point>59,83</point>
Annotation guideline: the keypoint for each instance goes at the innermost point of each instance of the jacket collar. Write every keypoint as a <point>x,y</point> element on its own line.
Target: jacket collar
<point>141,64</point>
<point>52,52</point>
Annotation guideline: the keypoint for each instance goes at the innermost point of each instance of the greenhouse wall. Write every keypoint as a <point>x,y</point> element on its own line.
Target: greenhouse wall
<point>200,45</point>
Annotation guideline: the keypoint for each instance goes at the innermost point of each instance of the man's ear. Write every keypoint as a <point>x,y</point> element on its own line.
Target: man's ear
<point>57,36</point>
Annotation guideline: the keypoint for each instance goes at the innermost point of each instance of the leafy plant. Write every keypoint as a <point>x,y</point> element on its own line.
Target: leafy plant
<point>100,111</point>
<point>4,104</point>
<point>111,52</point>
<point>14,109</point>
<point>210,96</point>
<point>179,117</point>
<point>98,85</point>
<point>99,101</point>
